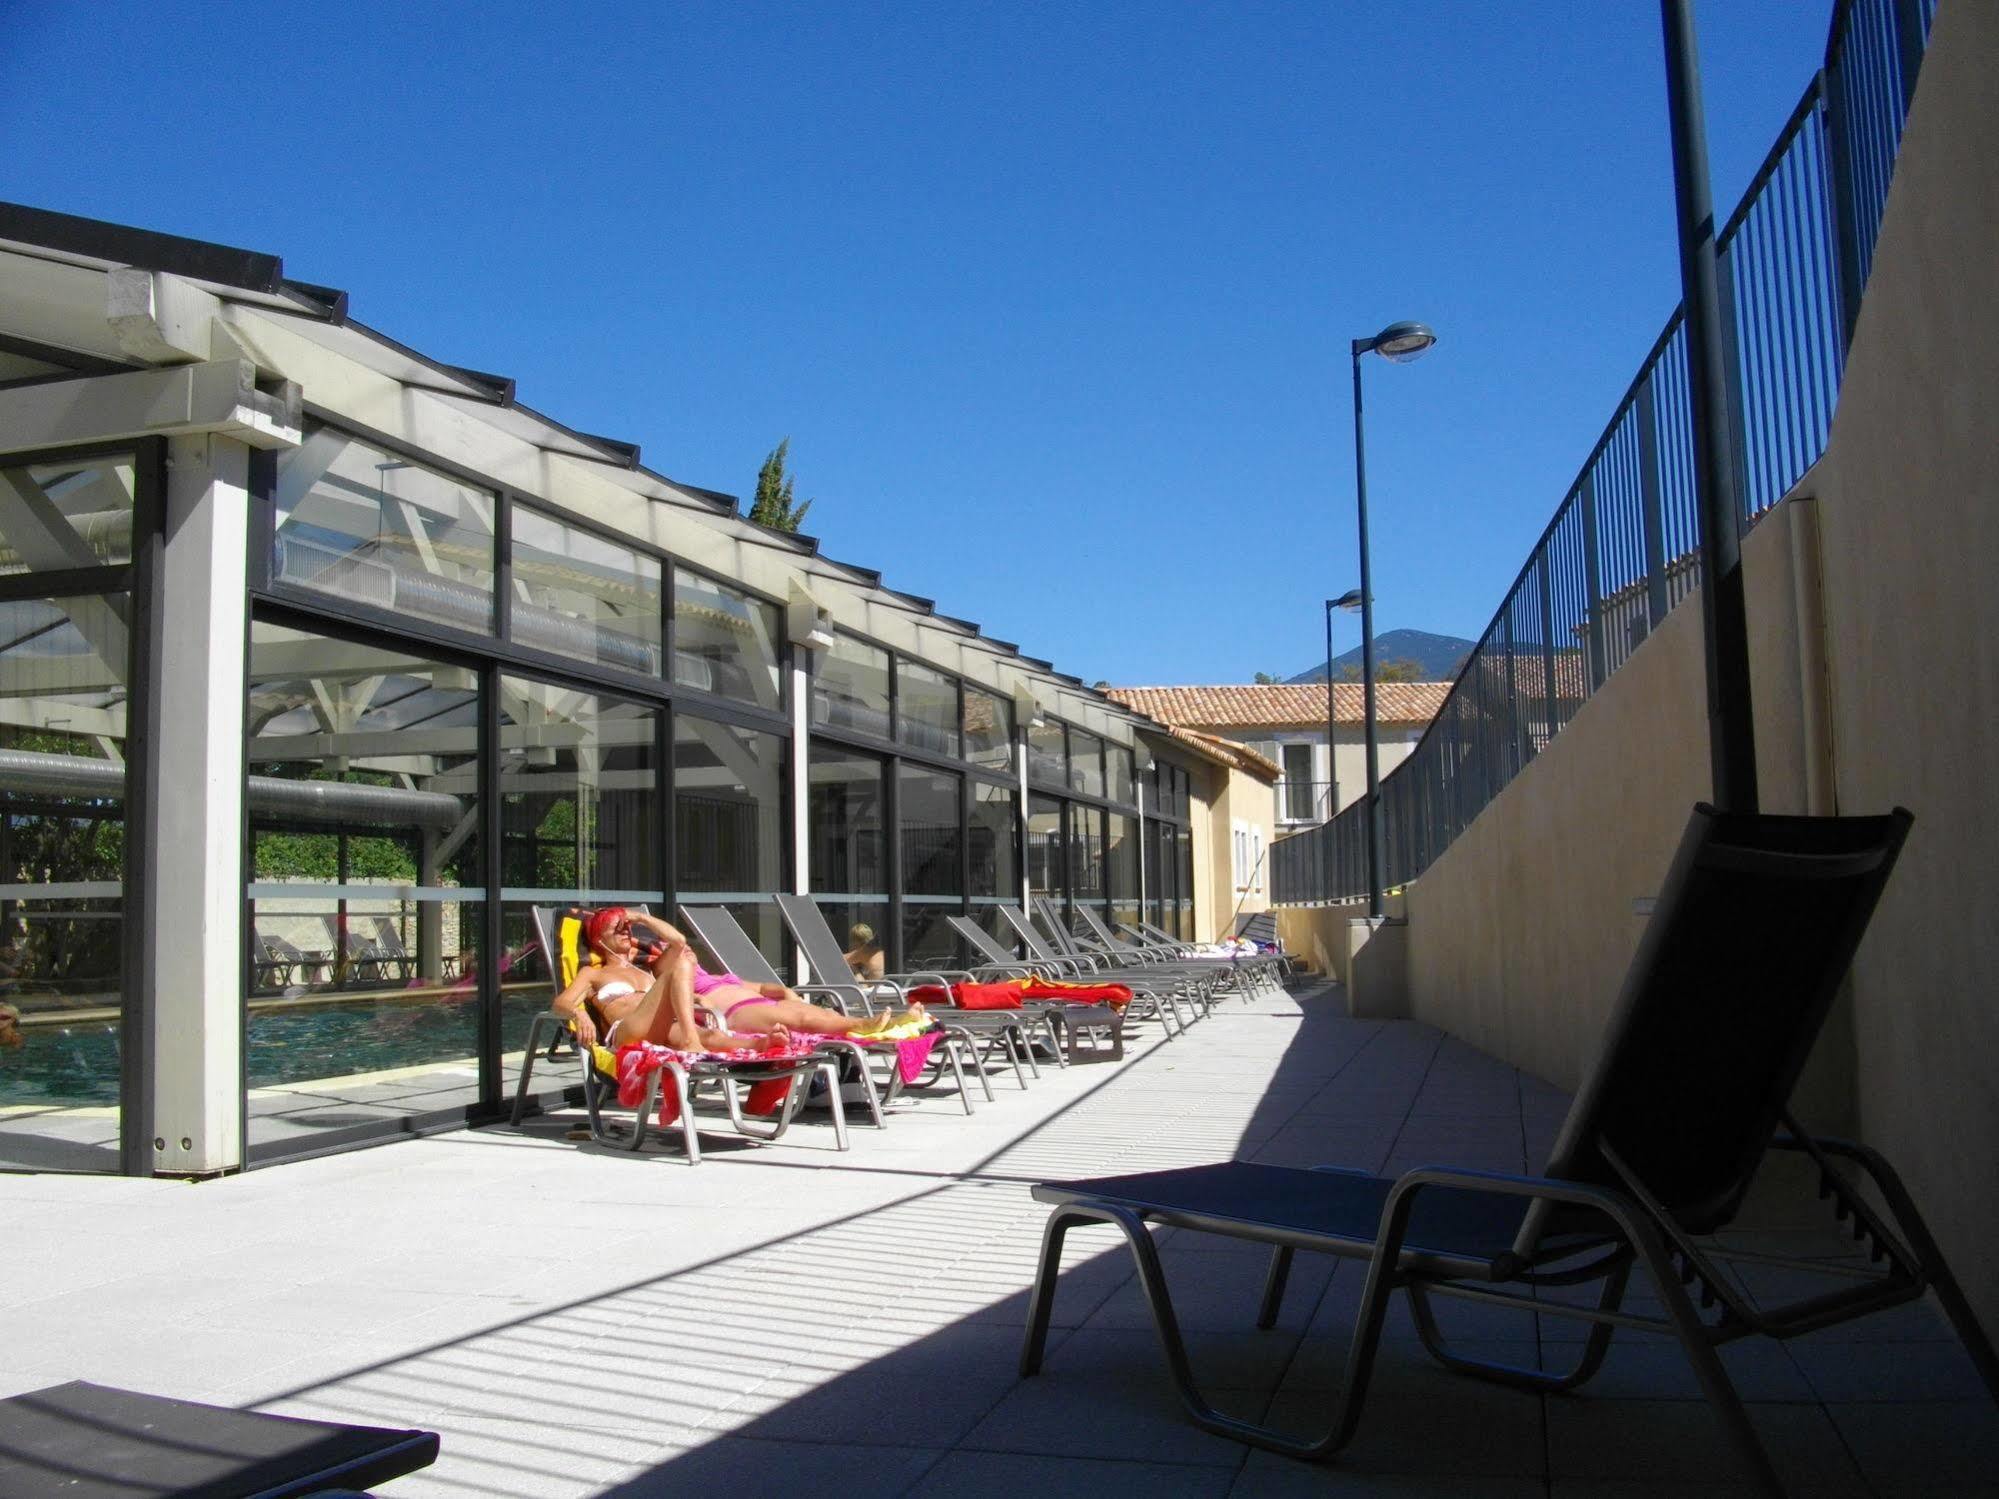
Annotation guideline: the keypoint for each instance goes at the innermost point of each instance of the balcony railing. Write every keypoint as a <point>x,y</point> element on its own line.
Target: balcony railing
<point>1306,801</point>
<point>1623,547</point>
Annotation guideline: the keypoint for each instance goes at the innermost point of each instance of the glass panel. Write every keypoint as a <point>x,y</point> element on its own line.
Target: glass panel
<point>725,641</point>
<point>1086,763</point>
<point>1046,759</point>
<point>74,513</point>
<point>988,730</point>
<point>850,687</point>
<point>366,886</point>
<point>1047,864</point>
<point>62,861</point>
<point>1121,786</point>
<point>579,826</point>
<point>1086,855</point>
<point>933,879</point>
<point>728,827</point>
<point>926,708</point>
<point>1121,867</point>
<point>359,524</point>
<point>995,843</point>
<point>582,596</point>
<point>849,842</point>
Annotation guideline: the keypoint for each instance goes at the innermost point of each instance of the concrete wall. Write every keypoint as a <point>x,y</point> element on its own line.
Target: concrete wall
<point>1874,645</point>
<point>1909,492</point>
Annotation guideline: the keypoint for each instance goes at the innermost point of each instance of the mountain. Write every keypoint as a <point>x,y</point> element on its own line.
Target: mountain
<point>1439,655</point>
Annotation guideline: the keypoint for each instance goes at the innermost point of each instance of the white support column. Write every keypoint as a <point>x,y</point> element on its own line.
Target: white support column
<point>801,791</point>
<point>1020,822</point>
<point>192,906</point>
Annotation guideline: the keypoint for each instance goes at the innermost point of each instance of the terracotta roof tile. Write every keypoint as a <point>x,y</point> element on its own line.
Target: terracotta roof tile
<point>1227,752</point>
<point>1284,705</point>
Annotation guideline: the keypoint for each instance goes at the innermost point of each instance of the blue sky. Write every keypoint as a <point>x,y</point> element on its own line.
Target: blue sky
<point>1053,300</point>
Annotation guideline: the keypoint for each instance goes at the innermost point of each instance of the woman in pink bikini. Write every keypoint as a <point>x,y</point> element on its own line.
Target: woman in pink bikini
<point>659,1006</point>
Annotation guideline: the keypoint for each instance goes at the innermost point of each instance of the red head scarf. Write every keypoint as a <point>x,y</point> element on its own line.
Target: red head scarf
<point>598,929</point>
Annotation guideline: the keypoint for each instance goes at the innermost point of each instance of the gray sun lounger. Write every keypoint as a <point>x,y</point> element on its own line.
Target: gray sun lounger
<point>1150,997</point>
<point>1004,1033</point>
<point>1071,1021</point>
<point>1193,983</point>
<point>90,1441</point>
<point>1753,932</point>
<point>723,936</point>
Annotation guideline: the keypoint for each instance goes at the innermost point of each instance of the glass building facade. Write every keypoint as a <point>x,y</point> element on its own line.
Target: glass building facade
<point>272,874</point>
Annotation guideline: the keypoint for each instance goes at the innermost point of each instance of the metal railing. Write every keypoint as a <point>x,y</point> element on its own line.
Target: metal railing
<point>1623,547</point>
<point>1306,801</point>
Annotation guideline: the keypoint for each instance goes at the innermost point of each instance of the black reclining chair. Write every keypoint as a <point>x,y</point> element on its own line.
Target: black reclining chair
<point>1751,937</point>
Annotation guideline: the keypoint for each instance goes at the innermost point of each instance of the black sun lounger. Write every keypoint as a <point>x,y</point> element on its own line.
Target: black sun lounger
<point>90,1441</point>
<point>1752,935</point>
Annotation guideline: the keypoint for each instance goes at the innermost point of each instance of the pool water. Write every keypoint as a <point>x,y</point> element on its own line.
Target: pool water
<point>78,1065</point>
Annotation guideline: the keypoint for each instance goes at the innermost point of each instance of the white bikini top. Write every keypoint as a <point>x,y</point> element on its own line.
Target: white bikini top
<point>615,989</point>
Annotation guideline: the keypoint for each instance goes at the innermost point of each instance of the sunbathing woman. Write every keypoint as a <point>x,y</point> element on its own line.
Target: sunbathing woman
<point>755,1015</point>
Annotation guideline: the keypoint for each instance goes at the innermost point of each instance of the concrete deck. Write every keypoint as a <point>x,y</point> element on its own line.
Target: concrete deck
<point>786,1319</point>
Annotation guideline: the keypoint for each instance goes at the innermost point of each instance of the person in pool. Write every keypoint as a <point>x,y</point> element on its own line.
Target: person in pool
<point>658,1005</point>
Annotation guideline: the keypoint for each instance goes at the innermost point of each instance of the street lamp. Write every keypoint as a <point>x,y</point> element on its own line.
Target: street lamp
<point>1348,600</point>
<point>1399,343</point>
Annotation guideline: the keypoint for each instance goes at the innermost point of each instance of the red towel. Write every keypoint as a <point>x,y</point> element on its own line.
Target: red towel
<point>1082,994</point>
<point>1001,996</point>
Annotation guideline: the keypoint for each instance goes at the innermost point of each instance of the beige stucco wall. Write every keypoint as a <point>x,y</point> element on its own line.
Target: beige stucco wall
<point>1909,492</point>
<point>1874,643</point>
<point>1222,795</point>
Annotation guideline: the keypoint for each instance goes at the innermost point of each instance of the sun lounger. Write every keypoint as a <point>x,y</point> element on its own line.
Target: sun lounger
<point>719,931</point>
<point>1169,989</point>
<point>1752,935</point>
<point>90,1441</point>
<point>1004,1033</point>
<point>1072,1023</point>
<point>558,934</point>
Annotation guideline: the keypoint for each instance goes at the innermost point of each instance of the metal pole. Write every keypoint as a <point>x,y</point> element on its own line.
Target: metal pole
<point>1331,810</point>
<point>1373,809</point>
<point>1731,731</point>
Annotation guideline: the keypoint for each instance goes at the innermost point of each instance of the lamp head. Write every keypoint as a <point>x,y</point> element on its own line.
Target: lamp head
<point>1349,600</point>
<point>1399,343</point>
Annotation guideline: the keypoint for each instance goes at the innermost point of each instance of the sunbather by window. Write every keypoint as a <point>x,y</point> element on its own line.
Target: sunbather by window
<point>754,1015</point>
<point>864,952</point>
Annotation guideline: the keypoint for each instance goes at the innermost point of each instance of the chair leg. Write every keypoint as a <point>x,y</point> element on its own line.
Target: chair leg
<point>1595,1346</point>
<point>1273,1286</point>
<point>1152,1280</point>
<point>833,1101</point>
<point>527,1065</point>
<point>1714,1381</point>
<point>1963,1321</point>
<point>688,1133</point>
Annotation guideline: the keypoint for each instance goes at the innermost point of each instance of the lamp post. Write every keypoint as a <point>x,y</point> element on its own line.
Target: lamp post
<point>1398,343</point>
<point>1348,600</point>
<point>1724,611</point>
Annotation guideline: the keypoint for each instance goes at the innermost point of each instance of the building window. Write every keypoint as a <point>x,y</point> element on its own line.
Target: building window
<point>725,641</point>
<point>1120,783</point>
<point>1086,763</point>
<point>579,595</point>
<point>927,714</point>
<point>933,878</point>
<point>728,828</point>
<point>850,687</point>
<point>988,725</point>
<point>847,826</point>
<point>359,524</point>
<point>366,884</point>
<point>1047,759</point>
<point>1300,794</point>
